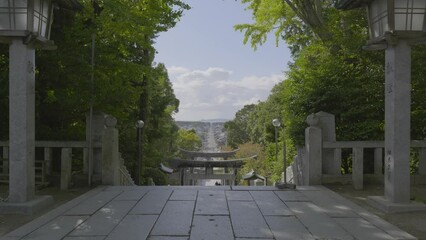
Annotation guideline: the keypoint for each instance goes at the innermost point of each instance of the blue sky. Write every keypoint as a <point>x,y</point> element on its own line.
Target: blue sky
<point>213,73</point>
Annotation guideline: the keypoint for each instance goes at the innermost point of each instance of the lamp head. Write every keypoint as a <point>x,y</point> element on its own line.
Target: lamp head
<point>389,20</point>
<point>139,124</point>
<point>276,122</point>
<point>30,19</point>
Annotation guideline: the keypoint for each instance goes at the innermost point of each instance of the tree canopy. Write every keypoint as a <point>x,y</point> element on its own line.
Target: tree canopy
<point>330,72</point>
<point>126,82</point>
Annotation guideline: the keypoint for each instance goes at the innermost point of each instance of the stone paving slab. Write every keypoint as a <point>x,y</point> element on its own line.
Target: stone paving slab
<point>238,196</point>
<point>167,238</point>
<point>105,220</point>
<point>91,205</point>
<point>247,220</point>
<point>211,228</point>
<point>330,206</point>
<point>184,195</point>
<point>153,202</point>
<point>175,220</point>
<point>132,195</point>
<point>371,218</point>
<point>129,188</point>
<point>85,238</point>
<point>133,227</point>
<point>253,238</point>
<point>270,204</point>
<point>317,222</point>
<point>42,220</point>
<point>211,202</point>
<point>291,196</point>
<point>253,188</point>
<point>57,228</point>
<point>288,228</point>
<point>243,213</point>
<point>361,229</point>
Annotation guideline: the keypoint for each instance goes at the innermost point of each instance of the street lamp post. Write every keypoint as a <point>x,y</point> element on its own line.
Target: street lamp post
<point>395,25</point>
<point>276,123</point>
<point>24,25</point>
<point>139,125</point>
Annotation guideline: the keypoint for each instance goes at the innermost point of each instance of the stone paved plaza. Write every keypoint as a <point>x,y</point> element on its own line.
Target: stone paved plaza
<point>221,212</point>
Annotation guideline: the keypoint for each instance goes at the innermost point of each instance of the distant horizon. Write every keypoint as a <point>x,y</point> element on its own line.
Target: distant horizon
<point>206,120</point>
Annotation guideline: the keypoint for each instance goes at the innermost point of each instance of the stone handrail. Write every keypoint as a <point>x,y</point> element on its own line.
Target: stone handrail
<point>66,161</point>
<point>358,147</point>
<point>320,159</point>
<point>125,178</point>
<point>354,144</point>
<point>45,167</point>
<point>58,144</point>
<point>368,144</point>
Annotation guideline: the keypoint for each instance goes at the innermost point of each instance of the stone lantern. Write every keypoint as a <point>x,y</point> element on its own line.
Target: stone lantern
<point>390,20</point>
<point>24,25</point>
<point>395,25</point>
<point>28,19</point>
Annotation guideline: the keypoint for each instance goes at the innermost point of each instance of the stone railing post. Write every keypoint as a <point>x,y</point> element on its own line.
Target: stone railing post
<point>5,160</point>
<point>110,153</point>
<point>48,160</point>
<point>378,162</point>
<point>313,145</point>
<point>330,164</point>
<point>66,165</point>
<point>358,168</point>
<point>94,129</point>
<point>338,161</point>
<point>298,165</point>
<point>422,161</point>
<point>85,160</point>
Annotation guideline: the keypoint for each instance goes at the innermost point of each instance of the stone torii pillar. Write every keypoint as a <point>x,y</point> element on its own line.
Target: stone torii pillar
<point>397,122</point>
<point>21,121</point>
<point>397,131</point>
<point>22,198</point>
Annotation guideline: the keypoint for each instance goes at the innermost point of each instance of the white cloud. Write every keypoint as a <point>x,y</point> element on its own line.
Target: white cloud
<point>213,93</point>
<point>176,70</point>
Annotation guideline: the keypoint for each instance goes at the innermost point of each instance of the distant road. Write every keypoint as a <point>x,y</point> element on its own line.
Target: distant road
<point>209,146</point>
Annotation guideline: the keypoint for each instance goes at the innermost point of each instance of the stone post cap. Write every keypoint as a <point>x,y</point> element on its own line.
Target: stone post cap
<point>312,120</point>
<point>110,121</point>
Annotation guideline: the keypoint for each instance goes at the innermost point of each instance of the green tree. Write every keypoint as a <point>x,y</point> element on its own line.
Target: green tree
<point>189,140</point>
<point>331,72</point>
<point>298,22</point>
<point>257,164</point>
<point>238,130</point>
<point>124,74</point>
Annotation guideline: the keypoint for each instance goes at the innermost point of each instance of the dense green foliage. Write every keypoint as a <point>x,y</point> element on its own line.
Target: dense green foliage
<point>188,140</point>
<point>331,72</point>
<point>126,82</point>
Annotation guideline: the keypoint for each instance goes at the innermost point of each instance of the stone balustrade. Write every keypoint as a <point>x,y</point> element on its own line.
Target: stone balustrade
<point>358,148</point>
<point>55,158</point>
<point>65,151</point>
<point>320,160</point>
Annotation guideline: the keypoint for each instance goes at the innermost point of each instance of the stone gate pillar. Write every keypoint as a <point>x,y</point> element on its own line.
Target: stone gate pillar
<point>97,127</point>
<point>327,123</point>
<point>397,122</point>
<point>21,121</point>
<point>110,153</point>
<point>313,145</point>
